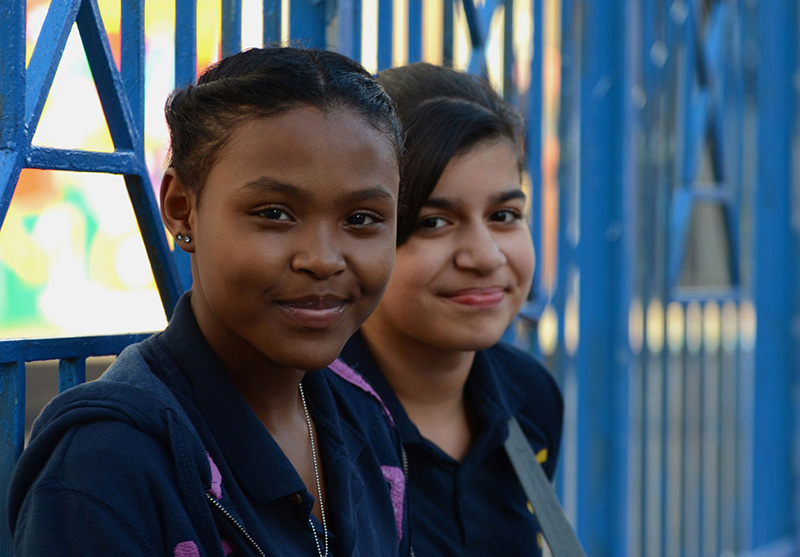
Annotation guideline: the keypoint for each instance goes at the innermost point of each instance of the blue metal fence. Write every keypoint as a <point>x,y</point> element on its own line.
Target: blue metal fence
<point>674,236</point>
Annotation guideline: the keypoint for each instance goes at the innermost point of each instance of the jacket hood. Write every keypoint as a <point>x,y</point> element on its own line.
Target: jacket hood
<point>127,392</point>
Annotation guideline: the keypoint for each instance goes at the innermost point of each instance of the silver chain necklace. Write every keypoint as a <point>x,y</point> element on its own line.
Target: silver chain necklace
<point>316,477</point>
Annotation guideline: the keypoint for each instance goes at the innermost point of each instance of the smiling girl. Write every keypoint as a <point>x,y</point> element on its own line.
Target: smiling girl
<point>463,270</point>
<point>211,438</point>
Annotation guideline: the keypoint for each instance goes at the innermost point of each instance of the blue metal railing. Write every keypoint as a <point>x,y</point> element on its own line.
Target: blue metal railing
<point>680,422</point>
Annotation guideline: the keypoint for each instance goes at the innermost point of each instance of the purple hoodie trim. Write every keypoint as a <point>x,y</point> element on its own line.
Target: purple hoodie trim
<point>351,376</point>
<point>216,479</point>
<point>397,485</point>
<point>186,549</point>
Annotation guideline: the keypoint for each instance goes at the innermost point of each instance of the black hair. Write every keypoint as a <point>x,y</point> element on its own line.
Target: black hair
<point>444,114</point>
<point>262,82</point>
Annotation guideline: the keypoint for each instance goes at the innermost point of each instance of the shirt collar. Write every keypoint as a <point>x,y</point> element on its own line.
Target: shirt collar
<point>261,467</point>
<point>482,388</point>
<point>357,355</point>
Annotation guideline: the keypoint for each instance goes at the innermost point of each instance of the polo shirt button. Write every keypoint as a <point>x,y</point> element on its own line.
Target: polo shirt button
<point>297,499</point>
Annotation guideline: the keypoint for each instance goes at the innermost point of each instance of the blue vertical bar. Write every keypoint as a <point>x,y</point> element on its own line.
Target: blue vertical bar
<point>603,257</point>
<point>385,33</point>
<point>231,27</point>
<point>307,22</point>
<point>447,33</point>
<point>271,31</point>
<point>533,142</point>
<point>185,42</point>
<point>13,140</point>
<point>569,141</point>
<point>414,31</point>
<point>185,74</point>
<point>71,372</point>
<point>350,28</point>
<point>132,63</point>
<point>773,478</point>
<point>12,434</point>
<point>509,90</point>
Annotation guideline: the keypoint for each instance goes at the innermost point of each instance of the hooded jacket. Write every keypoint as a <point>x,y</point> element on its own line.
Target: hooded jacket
<point>163,456</point>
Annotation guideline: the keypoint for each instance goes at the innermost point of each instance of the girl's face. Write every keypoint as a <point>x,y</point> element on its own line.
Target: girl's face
<point>293,238</point>
<point>465,272</point>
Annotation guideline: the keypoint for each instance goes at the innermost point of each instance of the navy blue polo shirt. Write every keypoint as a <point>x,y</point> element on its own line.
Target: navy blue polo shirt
<point>114,470</point>
<point>476,507</point>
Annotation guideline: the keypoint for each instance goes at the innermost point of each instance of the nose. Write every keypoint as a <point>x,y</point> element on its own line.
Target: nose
<point>318,253</point>
<point>479,251</point>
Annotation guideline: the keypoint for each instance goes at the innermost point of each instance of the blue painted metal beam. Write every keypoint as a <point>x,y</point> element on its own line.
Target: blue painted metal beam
<point>12,75</point>
<point>185,42</point>
<point>49,158</point>
<point>605,278</point>
<point>385,33</point>
<point>350,28</point>
<point>186,74</point>
<point>13,133</point>
<point>447,33</point>
<point>271,29</point>
<point>775,274</point>
<point>231,27</point>
<point>11,163</point>
<point>307,22</point>
<point>71,372</point>
<point>132,59</point>
<point>533,142</point>
<point>12,434</point>
<point>510,92</point>
<point>414,30</point>
<point>33,349</point>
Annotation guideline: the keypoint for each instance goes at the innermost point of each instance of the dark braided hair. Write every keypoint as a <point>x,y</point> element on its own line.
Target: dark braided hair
<point>444,113</point>
<point>262,82</point>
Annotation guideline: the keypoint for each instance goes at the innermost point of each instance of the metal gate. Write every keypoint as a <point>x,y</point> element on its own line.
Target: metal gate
<point>663,232</point>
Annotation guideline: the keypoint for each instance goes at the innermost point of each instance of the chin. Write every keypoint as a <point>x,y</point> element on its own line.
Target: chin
<point>472,342</point>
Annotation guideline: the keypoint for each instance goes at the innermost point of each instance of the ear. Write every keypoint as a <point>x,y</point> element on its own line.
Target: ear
<point>178,204</point>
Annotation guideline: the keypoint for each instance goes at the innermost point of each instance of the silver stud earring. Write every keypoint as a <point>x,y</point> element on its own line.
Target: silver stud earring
<point>186,239</point>
<point>180,237</point>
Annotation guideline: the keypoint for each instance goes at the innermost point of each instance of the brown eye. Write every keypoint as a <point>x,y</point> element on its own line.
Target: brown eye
<point>274,214</point>
<point>362,219</point>
<point>432,222</point>
<point>505,215</point>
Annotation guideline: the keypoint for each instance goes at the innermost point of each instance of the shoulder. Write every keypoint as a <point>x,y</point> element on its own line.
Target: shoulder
<point>522,375</point>
<point>108,473</point>
<point>534,398</point>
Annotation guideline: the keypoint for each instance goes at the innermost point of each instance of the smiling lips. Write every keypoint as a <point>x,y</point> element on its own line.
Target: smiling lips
<point>314,312</point>
<point>483,298</point>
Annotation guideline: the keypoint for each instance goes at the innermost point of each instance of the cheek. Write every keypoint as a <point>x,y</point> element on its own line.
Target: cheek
<point>417,266</point>
<point>374,266</point>
<point>521,258</point>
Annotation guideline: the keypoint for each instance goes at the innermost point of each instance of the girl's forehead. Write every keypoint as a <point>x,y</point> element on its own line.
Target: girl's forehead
<point>306,149</point>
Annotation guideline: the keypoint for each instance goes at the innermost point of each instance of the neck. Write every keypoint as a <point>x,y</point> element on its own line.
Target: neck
<point>429,382</point>
<point>268,387</point>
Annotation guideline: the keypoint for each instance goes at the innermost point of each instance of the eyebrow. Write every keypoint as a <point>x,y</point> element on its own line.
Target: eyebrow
<point>266,184</point>
<point>452,203</point>
<point>270,185</point>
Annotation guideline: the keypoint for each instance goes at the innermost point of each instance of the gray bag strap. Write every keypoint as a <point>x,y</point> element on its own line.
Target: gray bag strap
<point>555,527</point>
